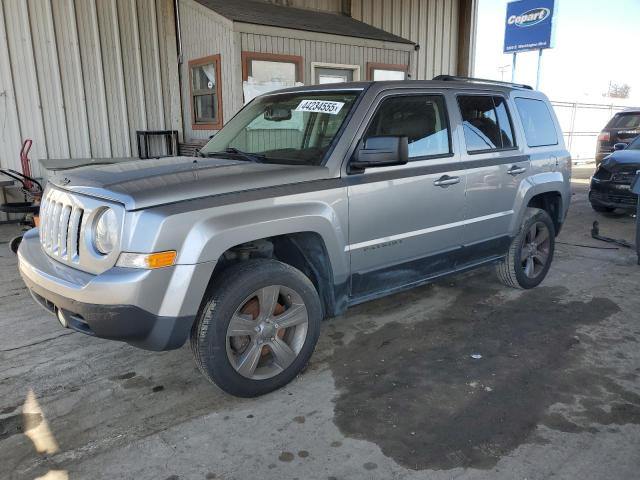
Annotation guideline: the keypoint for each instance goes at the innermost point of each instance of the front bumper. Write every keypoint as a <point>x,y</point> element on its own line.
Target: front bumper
<point>151,309</point>
<point>605,193</point>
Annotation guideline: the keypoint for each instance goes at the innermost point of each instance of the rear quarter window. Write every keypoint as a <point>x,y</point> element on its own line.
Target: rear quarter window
<point>539,127</point>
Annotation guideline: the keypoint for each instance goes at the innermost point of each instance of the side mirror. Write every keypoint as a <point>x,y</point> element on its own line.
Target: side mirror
<point>381,152</point>
<point>619,146</point>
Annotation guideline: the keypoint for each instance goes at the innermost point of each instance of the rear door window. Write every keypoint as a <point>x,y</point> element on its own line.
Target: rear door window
<point>421,118</point>
<point>539,127</point>
<point>486,123</point>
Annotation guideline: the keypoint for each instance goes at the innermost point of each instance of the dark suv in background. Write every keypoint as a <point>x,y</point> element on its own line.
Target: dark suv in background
<point>622,128</point>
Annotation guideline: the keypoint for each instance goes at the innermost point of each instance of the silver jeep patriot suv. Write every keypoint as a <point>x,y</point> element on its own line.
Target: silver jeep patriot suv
<point>308,201</point>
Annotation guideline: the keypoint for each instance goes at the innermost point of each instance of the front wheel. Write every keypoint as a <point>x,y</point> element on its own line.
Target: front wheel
<point>257,328</point>
<point>530,253</point>
<point>14,244</point>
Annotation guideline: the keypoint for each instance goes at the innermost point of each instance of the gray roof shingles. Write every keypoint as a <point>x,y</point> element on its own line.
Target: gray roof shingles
<point>262,13</point>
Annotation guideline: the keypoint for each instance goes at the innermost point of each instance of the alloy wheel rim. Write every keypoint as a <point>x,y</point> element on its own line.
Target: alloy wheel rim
<point>267,332</point>
<point>534,254</point>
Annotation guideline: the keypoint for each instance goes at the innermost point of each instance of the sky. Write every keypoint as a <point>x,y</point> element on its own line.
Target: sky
<point>596,42</point>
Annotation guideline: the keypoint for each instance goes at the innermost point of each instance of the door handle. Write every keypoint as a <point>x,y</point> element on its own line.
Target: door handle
<point>446,180</point>
<point>515,170</point>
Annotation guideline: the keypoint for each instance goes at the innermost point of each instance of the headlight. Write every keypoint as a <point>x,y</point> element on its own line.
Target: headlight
<point>105,234</point>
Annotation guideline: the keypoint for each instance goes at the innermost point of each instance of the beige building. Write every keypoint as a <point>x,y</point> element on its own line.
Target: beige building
<point>81,77</point>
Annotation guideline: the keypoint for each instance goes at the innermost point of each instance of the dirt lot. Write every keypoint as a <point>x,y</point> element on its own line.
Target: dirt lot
<point>392,391</point>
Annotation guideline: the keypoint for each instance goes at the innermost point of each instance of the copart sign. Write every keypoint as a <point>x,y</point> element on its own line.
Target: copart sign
<point>529,25</point>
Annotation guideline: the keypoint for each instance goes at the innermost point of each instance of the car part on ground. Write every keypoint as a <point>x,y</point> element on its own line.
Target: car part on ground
<point>595,233</point>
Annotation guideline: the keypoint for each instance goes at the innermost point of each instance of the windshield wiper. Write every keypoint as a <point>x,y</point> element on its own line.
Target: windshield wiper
<point>251,157</point>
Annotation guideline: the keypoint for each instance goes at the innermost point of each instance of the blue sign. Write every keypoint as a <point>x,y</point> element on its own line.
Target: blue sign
<point>528,25</point>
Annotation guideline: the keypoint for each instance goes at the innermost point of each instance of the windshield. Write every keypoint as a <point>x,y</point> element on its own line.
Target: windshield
<point>293,128</point>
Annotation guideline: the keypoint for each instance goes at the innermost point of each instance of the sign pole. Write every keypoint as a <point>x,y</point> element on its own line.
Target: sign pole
<point>538,73</point>
<point>513,67</point>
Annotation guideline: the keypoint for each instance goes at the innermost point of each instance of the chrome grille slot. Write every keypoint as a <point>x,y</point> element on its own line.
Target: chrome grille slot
<point>63,233</point>
<point>55,227</point>
<point>73,234</point>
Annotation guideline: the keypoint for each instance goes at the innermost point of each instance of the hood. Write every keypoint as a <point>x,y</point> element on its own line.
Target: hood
<point>141,184</point>
<point>622,158</point>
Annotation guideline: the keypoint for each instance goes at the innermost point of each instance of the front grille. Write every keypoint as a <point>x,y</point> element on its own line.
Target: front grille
<point>622,199</point>
<point>60,227</point>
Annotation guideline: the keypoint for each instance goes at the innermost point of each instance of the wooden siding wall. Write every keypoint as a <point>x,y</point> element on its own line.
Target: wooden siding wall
<point>323,50</point>
<point>205,33</point>
<point>432,24</point>
<point>80,77</point>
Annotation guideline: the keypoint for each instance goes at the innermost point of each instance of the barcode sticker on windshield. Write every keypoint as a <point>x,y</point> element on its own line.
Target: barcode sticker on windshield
<point>320,106</point>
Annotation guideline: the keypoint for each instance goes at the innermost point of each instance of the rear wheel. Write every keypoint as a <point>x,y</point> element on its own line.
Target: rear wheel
<point>257,328</point>
<point>530,253</point>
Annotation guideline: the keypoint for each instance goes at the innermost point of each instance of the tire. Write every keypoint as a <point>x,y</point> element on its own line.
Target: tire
<point>515,269</point>
<point>238,296</point>
<point>602,209</point>
<point>14,244</point>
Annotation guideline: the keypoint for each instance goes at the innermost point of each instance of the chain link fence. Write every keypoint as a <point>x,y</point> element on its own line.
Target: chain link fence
<point>581,124</point>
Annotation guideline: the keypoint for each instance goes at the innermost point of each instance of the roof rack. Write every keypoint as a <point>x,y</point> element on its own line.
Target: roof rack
<point>449,78</point>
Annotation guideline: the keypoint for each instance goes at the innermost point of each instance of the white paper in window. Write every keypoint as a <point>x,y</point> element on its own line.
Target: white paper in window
<point>320,106</point>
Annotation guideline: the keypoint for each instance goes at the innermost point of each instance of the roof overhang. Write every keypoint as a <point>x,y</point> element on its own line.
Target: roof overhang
<point>242,27</point>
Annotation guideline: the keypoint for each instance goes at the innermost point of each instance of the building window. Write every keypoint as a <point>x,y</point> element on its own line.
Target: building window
<point>486,123</point>
<point>323,73</point>
<point>271,68</point>
<point>386,71</point>
<point>206,93</point>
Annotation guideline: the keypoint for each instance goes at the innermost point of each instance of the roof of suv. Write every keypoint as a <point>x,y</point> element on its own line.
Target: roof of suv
<point>471,84</point>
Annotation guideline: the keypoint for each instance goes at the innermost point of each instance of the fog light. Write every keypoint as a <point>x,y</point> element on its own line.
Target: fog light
<point>147,260</point>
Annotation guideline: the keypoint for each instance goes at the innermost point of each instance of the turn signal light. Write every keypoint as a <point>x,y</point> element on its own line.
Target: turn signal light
<point>147,260</point>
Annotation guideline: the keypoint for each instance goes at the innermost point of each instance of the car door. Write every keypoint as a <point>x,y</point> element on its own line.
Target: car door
<point>495,166</point>
<point>405,222</point>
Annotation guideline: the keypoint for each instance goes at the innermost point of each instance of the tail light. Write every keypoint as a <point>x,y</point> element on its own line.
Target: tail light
<point>604,137</point>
